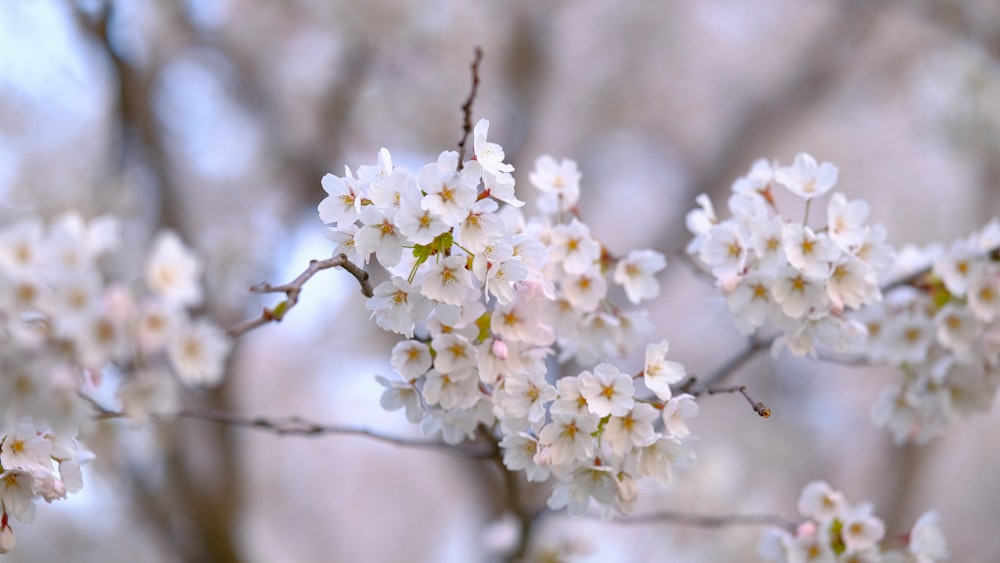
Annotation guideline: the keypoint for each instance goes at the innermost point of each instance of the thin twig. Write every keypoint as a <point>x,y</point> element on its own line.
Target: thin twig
<point>706,521</point>
<point>753,346</point>
<point>298,426</point>
<point>467,106</point>
<point>759,408</point>
<point>294,288</point>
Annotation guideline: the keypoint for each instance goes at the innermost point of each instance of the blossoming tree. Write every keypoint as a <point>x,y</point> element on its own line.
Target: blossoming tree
<point>512,324</point>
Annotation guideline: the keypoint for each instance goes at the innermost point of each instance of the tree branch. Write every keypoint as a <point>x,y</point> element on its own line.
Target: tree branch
<point>706,521</point>
<point>294,288</point>
<point>758,407</point>
<point>467,106</point>
<point>753,346</point>
<point>298,426</point>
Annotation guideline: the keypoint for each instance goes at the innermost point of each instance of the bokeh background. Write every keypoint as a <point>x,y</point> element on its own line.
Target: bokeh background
<point>217,118</point>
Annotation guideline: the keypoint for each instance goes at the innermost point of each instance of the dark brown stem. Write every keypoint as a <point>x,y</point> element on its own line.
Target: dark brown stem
<point>759,408</point>
<point>298,426</point>
<point>294,288</point>
<point>707,521</point>
<point>467,106</point>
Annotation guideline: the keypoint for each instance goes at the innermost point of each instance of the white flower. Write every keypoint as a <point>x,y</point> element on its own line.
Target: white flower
<point>765,238</point>
<point>806,178</point>
<point>379,235</point>
<point>636,273</point>
<point>454,353</point>
<point>149,392</point>
<point>758,180</point>
<point>632,431</point>
<point>480,227</point>
<point>927,541</point>
<point>489,155</point>
<point>846,221</point>
<point>525,396</point>
<point>383,169</point>
<point>411,358</point>
<point>387,193</point>
<point>901,413</point>
<point>907,338</point>
<point>7,539</point>
<point>821,503</point>
<point>396,306</point>
<point>586,289</point>
<point>957,328</point>
<point>656,459</point>
<point>597,482</point>
<point>519,451</point>
<point>199,354</point>
<point>172,271</point>
<point>675,415</point>
<point>21,248</point>
<point>955,266</point>
<point>501,187</point>
<point>522,319</point>
<point>874,252</point>
<point>808,252</point>
<point>607,390</point>
<point>73,245</point>
<point>451,390</point>
<point>572,246</point>
<point>797,294</point>
<point>458,424</point>
<point>17,494</point>
<point>343,201</point>
<point>751,302</point>
<point>852,284</point>
<point>447,281</point>
<point>401,395</point>
<point>861,530</point>
<point>569,438</point>
<point>699,222</point>
<point>450,193</point>
<point>501,277</point>
<point>417,224</point>
<point>725,250</point>
<point>571,401</point>
<point>343,237</point>
<point>658,373</point>
<point>984,292</point>
<point>25,449</point>
<point>559,183</point>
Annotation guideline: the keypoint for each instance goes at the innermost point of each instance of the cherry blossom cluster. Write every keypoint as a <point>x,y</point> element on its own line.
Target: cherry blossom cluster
<point>65,326</point>
<point>774,268</point>
<point>943,332</point>
<point>492,303</point>
<point>840,532</point>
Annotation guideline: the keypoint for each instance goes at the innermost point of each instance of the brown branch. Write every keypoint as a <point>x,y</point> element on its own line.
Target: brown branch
<point>526,518</point>
<point>753,346</point>
<point>467,106</point>
<point>759,408</point>
<point>706,521</point>
<point>298,426</point>
<point>294,288</point>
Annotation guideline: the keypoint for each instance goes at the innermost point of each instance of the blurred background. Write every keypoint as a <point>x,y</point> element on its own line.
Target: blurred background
<point>217,118</point>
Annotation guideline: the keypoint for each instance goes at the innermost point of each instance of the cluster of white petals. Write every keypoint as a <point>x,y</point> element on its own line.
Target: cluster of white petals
<point>943,331</point>
<point>486,295</point>
<point>775,269</point>
<point>63,325</point>
<point>837,530</point>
